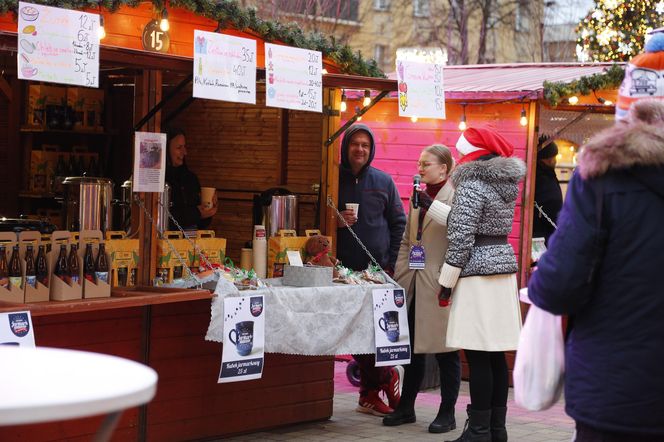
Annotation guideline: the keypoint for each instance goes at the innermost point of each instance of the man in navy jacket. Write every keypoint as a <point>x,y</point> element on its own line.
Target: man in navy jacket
<point>605,268</point>
<point>380,224</point>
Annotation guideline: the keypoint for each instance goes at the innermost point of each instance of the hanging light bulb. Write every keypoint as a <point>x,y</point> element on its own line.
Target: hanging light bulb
<point>367,98</point>
<point>573,99</point>
<point>164,25</point>
<point>413,119</point>
<point>357,112</point>
<point>462,124</point>
<point>101,32</point>
<point>324,71</point>
<point>523,121</point>
<point>608,103</point>
<point>343,105</point>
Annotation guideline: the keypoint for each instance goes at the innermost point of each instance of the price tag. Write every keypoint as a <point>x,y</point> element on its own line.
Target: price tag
<point>294,78</point>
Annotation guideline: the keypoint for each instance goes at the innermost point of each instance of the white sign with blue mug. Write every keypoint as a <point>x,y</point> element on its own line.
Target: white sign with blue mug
<point>391,327</point>
<point>16,329</point>
<point>244,339</point>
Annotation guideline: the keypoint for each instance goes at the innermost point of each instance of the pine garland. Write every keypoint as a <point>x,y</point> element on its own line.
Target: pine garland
<point>555,92</point>
<point>229,13</point>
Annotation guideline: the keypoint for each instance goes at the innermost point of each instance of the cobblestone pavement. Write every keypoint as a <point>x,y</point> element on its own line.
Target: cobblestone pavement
<point>346,424</point>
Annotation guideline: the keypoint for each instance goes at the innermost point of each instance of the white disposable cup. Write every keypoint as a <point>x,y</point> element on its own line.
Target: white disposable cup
<point>355,207</point>
<point>207,194</point>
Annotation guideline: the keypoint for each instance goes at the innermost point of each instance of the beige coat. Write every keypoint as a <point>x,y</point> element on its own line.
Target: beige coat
<point>431,319</point>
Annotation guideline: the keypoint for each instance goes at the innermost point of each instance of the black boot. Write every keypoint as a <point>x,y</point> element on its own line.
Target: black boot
<point>477,427</point>
<point>444,420</point>
<point>498,430</point>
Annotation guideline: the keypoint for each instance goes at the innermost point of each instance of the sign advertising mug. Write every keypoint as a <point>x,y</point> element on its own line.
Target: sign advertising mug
<point>391,327</point>
<point>244,339</point>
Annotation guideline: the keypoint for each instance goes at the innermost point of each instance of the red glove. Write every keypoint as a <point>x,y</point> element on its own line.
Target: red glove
<point>444,296</point>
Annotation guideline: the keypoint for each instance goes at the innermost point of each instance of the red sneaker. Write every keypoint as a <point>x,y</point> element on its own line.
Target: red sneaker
<point>392,390</point>
<point>371,403</point>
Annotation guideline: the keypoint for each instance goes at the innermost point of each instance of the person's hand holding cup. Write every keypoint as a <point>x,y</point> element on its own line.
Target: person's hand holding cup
<point>208,205</point>
<point>349,215</point>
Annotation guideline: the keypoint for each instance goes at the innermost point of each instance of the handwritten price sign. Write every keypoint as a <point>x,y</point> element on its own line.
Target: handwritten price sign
<point>421,92</point>
<point>58,45</point>
<point>294,78</point>
<point>224,67</point>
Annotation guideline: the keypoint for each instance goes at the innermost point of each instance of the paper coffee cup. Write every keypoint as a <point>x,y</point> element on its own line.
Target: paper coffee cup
<point>355,207</point>
<point>207,194</point>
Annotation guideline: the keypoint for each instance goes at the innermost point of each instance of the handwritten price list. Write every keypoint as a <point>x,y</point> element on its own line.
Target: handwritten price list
<point>224,67</point>
<point>294,78</point>
<point>421,91</point>
<point>58,45</point>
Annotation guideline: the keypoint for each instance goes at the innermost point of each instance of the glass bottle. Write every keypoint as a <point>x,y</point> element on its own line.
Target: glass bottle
<point>74,268</point>
<point>72,167</point>
<point>15,272</point>
<point>82,170</point>
<point>101,266</point>
<point>59,175</point>
<point>42,267</point>
<point>4,269</point>
<point>93,168</point>
<point>88,264</point>
<point>30,271</point>
<point>61,269</point>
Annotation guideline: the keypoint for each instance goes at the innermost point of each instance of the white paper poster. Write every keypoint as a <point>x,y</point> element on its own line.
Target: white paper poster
<point>149,162</point>
<point>294,78</point>
<point>224,67</point>
<point>421,92</point>
<point>16,329</point>
<point>391,327</point>
<point>244,339</point>
<point>57,45</point>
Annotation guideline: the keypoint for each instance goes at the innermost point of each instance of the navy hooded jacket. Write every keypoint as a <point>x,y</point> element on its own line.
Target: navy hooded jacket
<point>381,218</point>
<point>614,362</point>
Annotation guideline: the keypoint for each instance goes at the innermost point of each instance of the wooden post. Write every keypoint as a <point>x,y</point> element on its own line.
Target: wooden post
<point>148,94</point>
<point>527,205</point>
<point>330,166</point>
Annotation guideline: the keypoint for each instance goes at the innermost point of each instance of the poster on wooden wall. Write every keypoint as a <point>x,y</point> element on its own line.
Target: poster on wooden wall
<point>58,45</point>
<point>244,339</point>
<point>294,78</point>
<point>149,162</point>
<point>421,91</point>
<point>224,67</point>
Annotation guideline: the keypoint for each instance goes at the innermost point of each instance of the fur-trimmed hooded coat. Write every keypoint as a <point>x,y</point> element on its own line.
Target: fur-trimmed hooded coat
<point>614,362</point>
<point>484,202</point>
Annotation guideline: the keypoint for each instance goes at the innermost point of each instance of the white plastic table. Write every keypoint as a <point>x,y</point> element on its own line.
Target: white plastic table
<point>48,384</point>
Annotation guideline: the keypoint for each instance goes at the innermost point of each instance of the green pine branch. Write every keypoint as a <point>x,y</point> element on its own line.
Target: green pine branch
<point>555,92</point>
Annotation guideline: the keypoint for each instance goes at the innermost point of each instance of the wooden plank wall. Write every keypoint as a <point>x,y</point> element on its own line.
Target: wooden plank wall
<point>238,149</point>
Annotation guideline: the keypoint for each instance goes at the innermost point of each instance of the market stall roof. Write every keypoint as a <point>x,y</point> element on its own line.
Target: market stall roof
<point>511,81</point>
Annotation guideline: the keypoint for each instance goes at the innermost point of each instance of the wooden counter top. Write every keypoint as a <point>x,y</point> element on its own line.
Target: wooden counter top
<point>120,298</point>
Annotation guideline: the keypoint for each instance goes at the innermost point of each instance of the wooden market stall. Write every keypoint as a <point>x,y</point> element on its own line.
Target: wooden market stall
<point>238,149</point>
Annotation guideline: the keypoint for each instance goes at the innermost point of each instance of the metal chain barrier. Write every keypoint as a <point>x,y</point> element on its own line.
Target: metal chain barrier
<point>190,275</point>
<point>543,213</point>
<point>330,204</point>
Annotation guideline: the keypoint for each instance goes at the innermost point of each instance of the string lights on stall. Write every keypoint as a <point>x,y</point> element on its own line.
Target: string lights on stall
<point>164,25</point>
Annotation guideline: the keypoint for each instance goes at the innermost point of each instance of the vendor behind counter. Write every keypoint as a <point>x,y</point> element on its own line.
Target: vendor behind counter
<point>185,188</point>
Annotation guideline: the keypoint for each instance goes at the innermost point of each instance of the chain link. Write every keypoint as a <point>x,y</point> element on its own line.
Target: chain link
<point>543,213</point>
<point>330,204</point>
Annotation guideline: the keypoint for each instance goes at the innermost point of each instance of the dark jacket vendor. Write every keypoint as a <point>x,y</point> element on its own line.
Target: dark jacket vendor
<point>186,206</point>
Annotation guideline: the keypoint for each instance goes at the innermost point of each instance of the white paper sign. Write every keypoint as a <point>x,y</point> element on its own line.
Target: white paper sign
<point>57,45</point>
<point>294,258</point>
<point>16,329</point>
<point>421,91</point>
<point>224,67</point>
<point>149,162</point>
<point>244,339</point>
<point>294,78</point>
<point>391,327</point>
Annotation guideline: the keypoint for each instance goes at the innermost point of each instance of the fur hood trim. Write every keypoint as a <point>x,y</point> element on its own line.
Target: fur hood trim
<point>497,170</point>
<point>622,146</point>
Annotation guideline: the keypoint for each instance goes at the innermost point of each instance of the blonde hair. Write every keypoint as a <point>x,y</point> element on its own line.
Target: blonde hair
<point>442,153</point>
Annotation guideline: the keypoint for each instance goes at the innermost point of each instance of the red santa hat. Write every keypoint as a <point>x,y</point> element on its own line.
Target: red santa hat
<point>485,141</point>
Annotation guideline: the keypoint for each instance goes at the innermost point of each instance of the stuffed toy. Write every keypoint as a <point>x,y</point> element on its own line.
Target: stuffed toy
<point>317,248</point>
<point>642,75</point>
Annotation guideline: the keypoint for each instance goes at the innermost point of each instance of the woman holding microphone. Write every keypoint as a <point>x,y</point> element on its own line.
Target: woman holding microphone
<point>420,259</point>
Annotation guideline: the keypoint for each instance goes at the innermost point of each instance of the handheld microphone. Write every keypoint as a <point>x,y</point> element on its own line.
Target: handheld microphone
<point>416,196</point>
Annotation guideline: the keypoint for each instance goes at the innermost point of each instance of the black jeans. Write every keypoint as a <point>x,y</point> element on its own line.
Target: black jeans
<point>449,364</point>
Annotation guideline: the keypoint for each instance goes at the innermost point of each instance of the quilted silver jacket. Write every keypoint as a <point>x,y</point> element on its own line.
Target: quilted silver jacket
<point>484,202</point>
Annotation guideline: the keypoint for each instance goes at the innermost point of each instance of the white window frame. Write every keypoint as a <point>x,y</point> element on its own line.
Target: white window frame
<point>421,8</point>
<point>380,51</point>
<point>381,5</point>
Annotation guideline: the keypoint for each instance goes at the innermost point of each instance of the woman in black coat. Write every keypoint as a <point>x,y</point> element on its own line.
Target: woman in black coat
<point>605,268</point>
<point>186,205</point>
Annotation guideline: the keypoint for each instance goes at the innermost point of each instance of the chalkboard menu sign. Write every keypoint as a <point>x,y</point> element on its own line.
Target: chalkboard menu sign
<point>58,45</point>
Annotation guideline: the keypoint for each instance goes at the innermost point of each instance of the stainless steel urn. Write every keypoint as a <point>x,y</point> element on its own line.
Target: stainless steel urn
<point>87,203</point>
<point>282,214</point>
<point>128,205</point>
